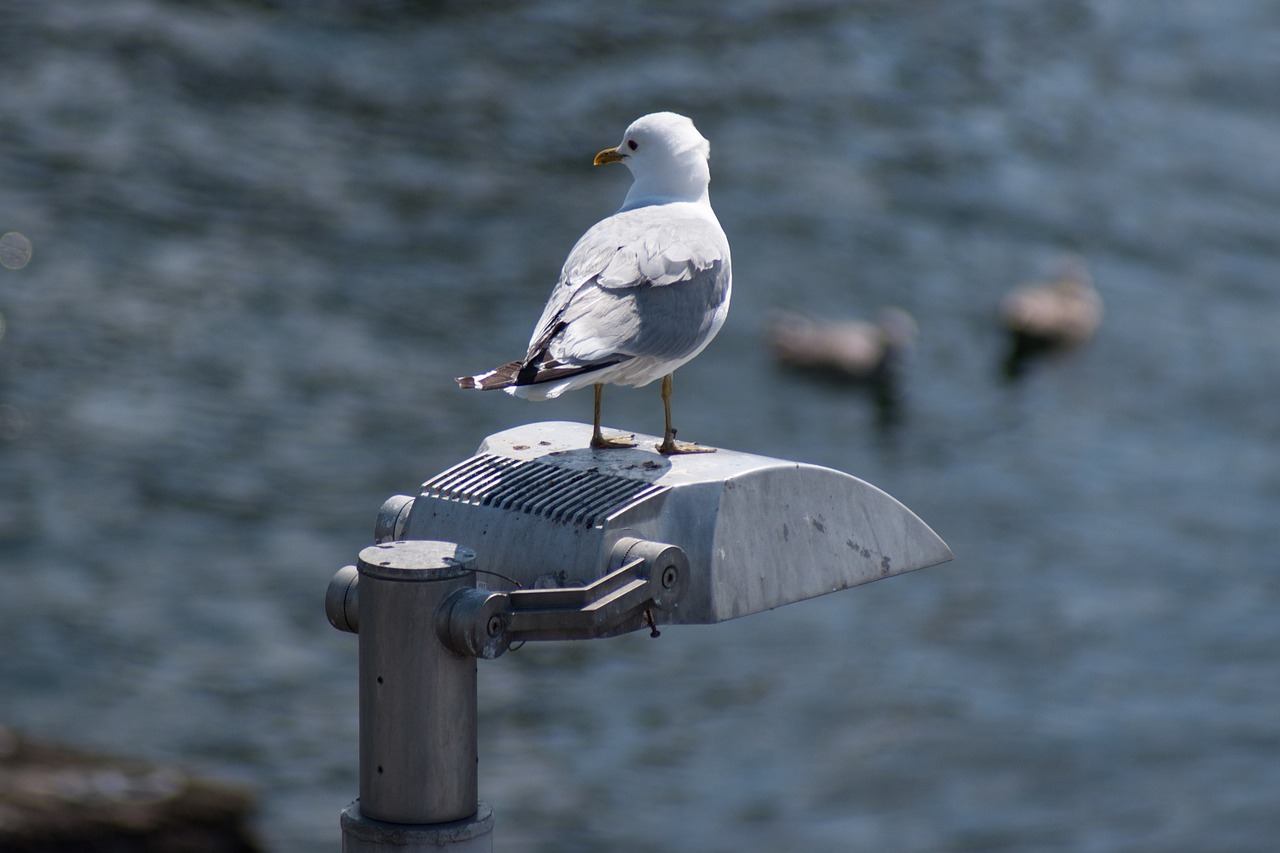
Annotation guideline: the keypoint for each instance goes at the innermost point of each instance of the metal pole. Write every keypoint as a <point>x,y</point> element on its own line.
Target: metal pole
<point>418,778</point>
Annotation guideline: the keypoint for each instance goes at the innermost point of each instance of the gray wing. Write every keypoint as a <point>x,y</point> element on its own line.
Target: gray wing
<point>642,283</point>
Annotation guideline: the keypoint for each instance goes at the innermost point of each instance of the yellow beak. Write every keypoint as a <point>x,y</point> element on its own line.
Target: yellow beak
<point>609,155</point>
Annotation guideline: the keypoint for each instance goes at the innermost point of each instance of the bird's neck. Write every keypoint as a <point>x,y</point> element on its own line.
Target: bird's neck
<point>635,200</point>
<point>683,182</point>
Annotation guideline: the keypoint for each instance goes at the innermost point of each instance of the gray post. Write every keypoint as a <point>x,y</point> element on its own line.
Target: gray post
<point>418,779</point>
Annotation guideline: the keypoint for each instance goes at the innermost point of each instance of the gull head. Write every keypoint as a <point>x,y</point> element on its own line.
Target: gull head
<point>667,158</point>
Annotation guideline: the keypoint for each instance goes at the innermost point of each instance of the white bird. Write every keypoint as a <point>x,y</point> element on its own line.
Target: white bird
<point>642,292</point>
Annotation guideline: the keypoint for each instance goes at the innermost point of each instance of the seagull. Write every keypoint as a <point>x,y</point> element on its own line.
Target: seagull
<point>642,292</point>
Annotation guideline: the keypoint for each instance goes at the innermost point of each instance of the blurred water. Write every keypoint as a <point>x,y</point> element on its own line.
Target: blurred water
<point>266,234</point>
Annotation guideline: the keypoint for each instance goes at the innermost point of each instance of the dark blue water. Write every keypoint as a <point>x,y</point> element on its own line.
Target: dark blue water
<point>267,234</point>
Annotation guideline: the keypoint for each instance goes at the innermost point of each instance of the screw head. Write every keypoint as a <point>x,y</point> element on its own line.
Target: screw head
<point>669,577</point>
<point>495,625</point>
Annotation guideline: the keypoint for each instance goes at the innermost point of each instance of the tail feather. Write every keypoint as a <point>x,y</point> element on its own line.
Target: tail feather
<point>499,377</point>
<point>528,373</point>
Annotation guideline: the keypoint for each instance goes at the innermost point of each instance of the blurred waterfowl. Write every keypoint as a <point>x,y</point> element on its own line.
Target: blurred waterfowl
<point>1044,317</point>
<point>850,351</point>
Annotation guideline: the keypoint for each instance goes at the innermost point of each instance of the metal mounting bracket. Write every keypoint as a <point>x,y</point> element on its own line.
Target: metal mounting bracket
<point>483,623</point>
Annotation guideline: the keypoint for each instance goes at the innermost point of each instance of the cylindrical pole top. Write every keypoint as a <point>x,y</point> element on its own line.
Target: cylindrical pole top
<point>416,559</point>
<point>417,698</point>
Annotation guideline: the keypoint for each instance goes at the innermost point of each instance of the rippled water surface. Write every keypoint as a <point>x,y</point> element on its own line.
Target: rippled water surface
<point>265,235</point>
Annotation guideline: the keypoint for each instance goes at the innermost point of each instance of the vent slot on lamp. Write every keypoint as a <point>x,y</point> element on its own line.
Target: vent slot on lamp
<point>578,497</point>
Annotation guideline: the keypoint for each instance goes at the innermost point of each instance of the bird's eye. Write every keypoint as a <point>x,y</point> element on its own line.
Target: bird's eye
<point>631,143</point>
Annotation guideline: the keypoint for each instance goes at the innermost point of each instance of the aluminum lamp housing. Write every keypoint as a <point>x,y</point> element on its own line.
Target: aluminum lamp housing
<point>538,505</point>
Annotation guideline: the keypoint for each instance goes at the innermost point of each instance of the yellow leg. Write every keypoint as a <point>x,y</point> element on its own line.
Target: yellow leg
<point>598,441</point>
<point>669,444</point>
